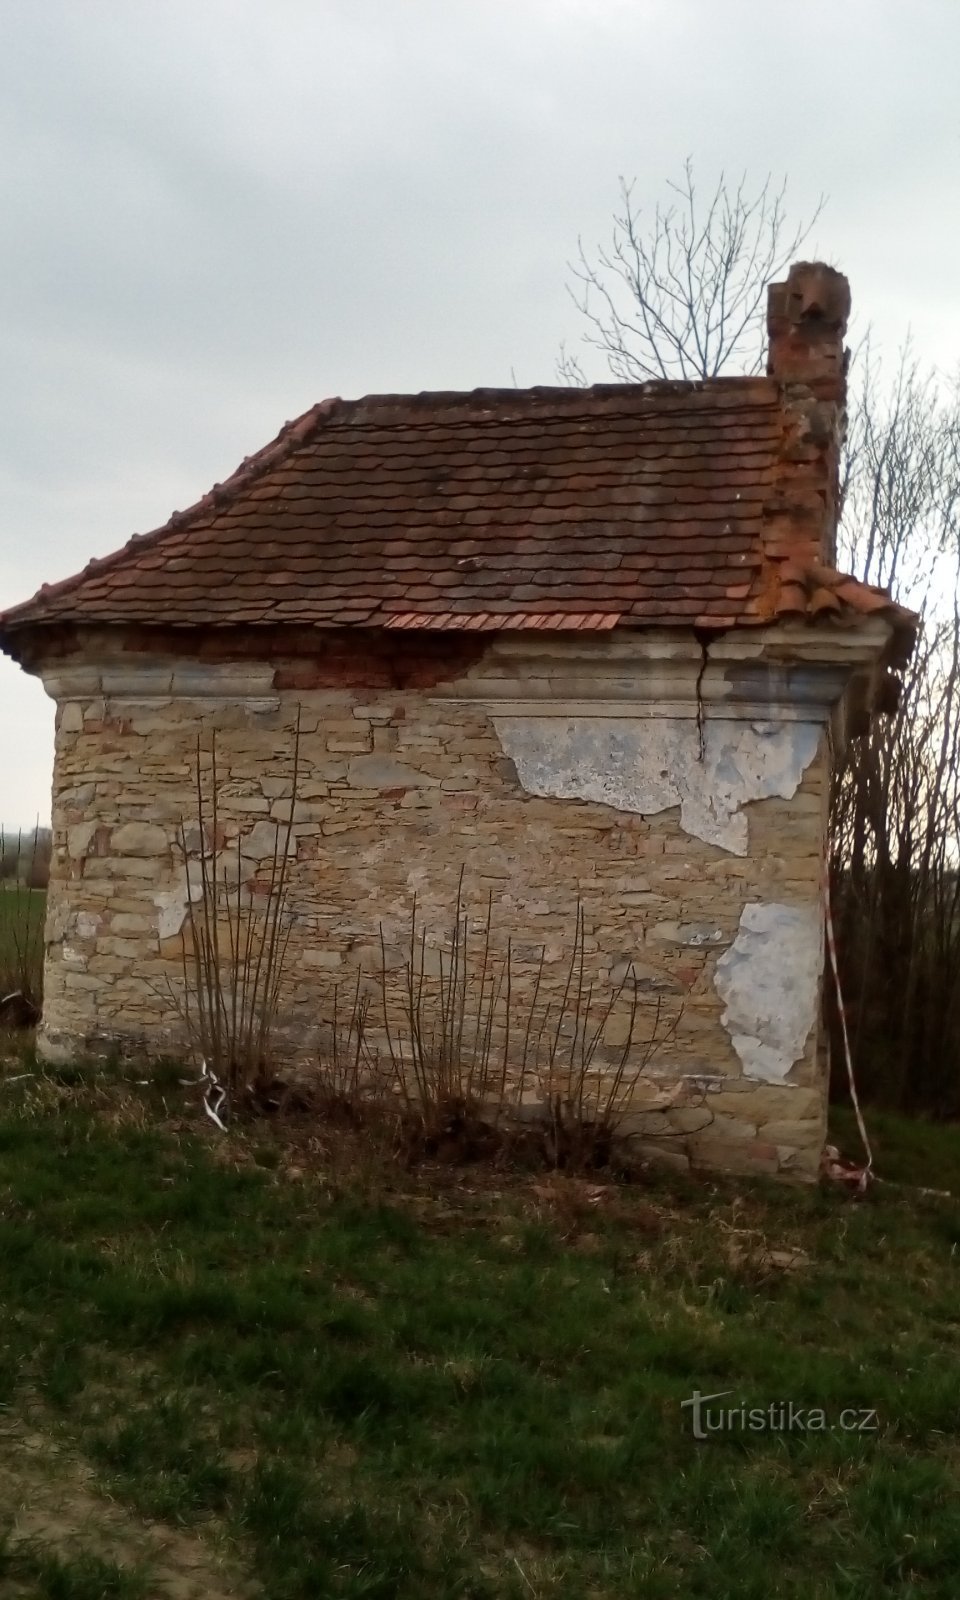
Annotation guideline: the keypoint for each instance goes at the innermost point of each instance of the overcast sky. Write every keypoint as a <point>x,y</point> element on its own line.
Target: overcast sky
<point>215,213</point>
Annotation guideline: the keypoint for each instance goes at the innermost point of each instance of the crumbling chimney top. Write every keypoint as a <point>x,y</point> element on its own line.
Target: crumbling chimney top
<point>806,322</point>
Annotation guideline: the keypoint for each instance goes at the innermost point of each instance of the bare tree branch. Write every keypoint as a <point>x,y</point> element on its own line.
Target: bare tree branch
<point>681,294</point>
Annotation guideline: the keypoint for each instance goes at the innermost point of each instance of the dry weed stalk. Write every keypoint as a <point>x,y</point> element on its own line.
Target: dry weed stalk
<point>585,1107</point>
<point>234,951</point>
<point>451,1056</point>
<point>466,1051</point>
<point>348,1077</point>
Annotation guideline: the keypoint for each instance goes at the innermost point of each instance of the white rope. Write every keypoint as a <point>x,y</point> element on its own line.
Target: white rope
<point>214,1096</point>
<point>832,948</point>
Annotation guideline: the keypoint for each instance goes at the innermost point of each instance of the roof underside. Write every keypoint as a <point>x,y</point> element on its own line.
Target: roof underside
<point>641,504</point>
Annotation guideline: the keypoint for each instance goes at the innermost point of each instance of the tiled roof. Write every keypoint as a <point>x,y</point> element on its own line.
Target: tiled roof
<point>818,593</point>
<point>662,503</point>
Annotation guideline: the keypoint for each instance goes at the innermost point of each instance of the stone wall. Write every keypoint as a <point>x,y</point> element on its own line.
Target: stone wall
<point>551,774</point>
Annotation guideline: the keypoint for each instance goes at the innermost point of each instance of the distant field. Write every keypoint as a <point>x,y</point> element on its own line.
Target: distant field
<point>21,938</point>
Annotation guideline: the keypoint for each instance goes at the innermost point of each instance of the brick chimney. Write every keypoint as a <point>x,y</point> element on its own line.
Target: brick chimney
<point>806,322</point>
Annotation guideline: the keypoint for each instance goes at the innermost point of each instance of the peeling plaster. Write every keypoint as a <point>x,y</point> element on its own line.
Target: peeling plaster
<point>768,981</point>
<point>645,765</point>
<point>172,903</point>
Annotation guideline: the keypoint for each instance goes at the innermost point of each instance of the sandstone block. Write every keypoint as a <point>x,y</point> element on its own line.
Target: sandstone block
<point>617,1030</point>
<point>78,797</point>
<point>649,979</point>
<point>266,839</point>
<point>720,1125</point>
<point>148,868</point>
<point>129,923</point>
<point>378,715</point>
<point>807,1132</point>
<point>321,959</point>
<point>131,948</point>
<point>692,934</point>
<point>763,1103</point>
<point>244,805</point>
<point>749,1157</point>
<point>303,812</point>
<point>79,839</point>
<point>139,839</point>
<point>384,772</point>
<point>662,1155</point>
<point>349,744</point>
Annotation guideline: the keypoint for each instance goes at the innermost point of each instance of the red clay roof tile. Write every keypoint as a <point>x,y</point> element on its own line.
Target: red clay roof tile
<point>668,503</point>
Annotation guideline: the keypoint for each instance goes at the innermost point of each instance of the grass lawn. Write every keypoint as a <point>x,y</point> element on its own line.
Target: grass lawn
<point>257,1365</point>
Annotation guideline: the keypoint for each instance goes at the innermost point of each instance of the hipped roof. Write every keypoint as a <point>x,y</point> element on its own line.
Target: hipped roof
<point>655,504</point>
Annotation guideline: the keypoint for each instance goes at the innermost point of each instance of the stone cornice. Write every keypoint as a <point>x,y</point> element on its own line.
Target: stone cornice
<point>783,674</point>
<point>788,673</point>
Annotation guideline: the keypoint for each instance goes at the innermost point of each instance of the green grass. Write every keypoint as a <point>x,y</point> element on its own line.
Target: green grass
<point>467,1385</point>
<point>21,939</point>
<point>905,1150</point>
<point>84,1577</point>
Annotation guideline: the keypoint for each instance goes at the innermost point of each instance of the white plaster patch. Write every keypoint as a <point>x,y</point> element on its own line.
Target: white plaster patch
<point>79,838</point>
<point>267,839</point>
<point>172,903</point>
<point>648,764</point>
<point>768,981</point>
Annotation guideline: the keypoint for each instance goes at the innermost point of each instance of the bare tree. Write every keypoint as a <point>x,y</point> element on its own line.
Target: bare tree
<point>895,848</point>
<point>681,294</point>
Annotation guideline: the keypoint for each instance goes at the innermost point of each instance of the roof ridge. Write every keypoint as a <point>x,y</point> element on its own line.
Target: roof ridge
<point>666,386</point>
<point>471,422</point>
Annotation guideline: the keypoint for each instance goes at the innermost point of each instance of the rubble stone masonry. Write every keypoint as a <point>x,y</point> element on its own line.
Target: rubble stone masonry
<point>400,788</point>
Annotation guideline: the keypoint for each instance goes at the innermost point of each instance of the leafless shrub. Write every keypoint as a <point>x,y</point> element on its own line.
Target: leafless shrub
<point>586,1108</point>
<point>474,1050</point>
<point>233,950</point>
<point>450,1055</point>
<point>348,1082</point>
<point>895,813</point>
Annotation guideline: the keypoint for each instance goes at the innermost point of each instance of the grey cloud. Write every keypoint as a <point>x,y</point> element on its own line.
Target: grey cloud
<point>213,214</point>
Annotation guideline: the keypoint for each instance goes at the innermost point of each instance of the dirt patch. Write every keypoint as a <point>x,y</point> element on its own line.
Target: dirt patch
<point>51,1501</point>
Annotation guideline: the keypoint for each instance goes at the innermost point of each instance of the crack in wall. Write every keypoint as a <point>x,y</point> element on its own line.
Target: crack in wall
<point>703,640</point>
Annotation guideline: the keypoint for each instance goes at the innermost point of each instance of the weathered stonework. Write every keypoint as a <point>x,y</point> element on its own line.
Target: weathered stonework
<point>400,787</point>
<point>586,648</point>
